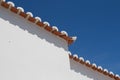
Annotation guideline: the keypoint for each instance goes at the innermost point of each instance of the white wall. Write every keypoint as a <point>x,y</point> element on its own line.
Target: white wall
<point>28,52</point>
<point>81,72</point>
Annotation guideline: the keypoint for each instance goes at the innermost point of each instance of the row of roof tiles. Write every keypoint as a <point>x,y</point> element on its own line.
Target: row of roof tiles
<point>93,66</point>
<point>37,20</point>
<point>55,31</point>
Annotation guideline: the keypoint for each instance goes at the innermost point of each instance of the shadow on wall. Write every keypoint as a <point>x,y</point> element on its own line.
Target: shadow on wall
<point>32,28</point>
<point>87,72</point>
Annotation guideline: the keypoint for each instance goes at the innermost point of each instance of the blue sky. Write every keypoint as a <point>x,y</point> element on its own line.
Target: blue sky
<point>96,23</point>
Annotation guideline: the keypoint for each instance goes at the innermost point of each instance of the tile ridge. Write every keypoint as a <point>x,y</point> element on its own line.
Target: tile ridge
<point>93,66</point>
<point>37,20</point>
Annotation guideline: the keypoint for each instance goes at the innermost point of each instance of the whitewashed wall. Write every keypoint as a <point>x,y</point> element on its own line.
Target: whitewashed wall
<point>82,72</point>
<point>28,52</point>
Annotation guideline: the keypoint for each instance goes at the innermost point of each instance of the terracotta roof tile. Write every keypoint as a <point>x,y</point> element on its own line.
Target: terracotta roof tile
<point>20,12</point>
<point>94,66</point>
<point>29,17</point>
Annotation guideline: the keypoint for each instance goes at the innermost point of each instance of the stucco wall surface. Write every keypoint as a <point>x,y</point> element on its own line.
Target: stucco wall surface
<point>82,72</point>
<point>28,52</point>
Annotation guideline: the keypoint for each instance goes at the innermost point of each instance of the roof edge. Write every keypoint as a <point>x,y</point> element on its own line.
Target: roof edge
<point>37,20</point>
<point>93,66</point>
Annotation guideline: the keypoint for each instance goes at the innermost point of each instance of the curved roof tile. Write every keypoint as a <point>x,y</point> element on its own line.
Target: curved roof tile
<point>37,21</point>
<point>94,66</point>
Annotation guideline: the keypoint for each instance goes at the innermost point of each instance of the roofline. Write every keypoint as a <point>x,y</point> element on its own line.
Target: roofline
<point>94,67</point>
<point>36,20</point>
<point>28,16</point>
